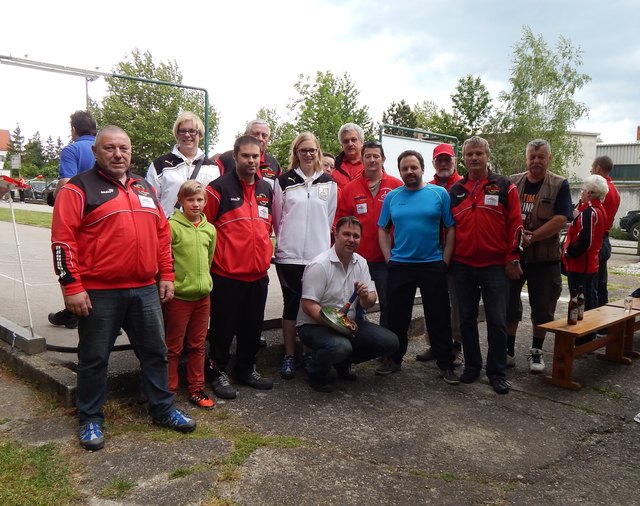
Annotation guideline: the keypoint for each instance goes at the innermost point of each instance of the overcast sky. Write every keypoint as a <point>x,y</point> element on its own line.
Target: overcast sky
<point>248,54</point>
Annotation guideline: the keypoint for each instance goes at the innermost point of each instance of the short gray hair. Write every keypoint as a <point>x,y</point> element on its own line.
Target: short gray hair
<point>254,122</point>
<point>347,127</point>
<point>596,186</point>
<point>477,141</point>
<point>536,144</point>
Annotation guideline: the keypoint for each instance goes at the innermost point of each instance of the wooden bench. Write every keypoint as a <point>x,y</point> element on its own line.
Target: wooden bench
<point>636,305</point>
<point>618,341</point>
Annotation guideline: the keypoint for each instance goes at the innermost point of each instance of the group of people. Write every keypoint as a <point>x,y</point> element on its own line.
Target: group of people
<point>181,257</point>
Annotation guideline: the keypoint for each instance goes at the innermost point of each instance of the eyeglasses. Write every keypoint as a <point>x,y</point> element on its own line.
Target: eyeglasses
<point>310,151</point>
<point>190,131</point>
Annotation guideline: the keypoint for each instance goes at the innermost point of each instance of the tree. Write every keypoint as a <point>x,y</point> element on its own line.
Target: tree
<point>471,105</point>
<point>33,153</point>
<point>147,111</point>
<point>433,119</point>
<point>540,104</point>
<point>399,114</point>
<point>14,147</point>
<point>324,105</point>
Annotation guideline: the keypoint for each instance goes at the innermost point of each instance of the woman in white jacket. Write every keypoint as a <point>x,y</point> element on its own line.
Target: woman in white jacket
<point>186,161</point>
<point>304,206</point>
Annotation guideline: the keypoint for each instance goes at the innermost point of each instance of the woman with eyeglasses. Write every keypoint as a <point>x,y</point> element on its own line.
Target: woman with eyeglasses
<point>304,206</point>
<point>584,240</point>
<point>186,161</point>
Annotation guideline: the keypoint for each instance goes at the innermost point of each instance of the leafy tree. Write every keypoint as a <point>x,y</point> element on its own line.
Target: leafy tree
<point>436,120</point>
<point>51,157</point>
<point>325,104</point>
<point>283,133</point>
<point>33,153</point>
<point>399,114</point>
<point>471,105</point>
<point>14,147</point>
<point>540,104</point>
<point>147,111</point>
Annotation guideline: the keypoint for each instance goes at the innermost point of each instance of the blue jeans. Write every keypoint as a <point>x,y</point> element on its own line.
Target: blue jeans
<point>138,312</point>
<point>492,283</point>
<point>329,348</point>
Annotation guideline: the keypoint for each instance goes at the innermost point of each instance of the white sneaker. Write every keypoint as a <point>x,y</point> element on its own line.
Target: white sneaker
<point>536,362</point>
<point>511,361</point>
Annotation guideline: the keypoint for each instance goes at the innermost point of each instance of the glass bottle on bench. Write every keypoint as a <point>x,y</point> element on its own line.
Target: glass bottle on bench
<point>580,303</point>
<point>572,314</point>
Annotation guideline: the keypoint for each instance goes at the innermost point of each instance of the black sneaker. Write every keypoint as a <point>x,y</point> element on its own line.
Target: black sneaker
<point>450,377</point>
<point>345,371</point>
<point>469,375</point>
<point>320,384</point>
<point>254,380</point>
<point>500,385</point>
<point>64,317</point>
<point>222,387</point>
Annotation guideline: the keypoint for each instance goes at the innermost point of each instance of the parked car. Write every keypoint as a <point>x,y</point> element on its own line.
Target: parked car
<point>48,192</point>
<point>630,223</point>
<point>36,190</point>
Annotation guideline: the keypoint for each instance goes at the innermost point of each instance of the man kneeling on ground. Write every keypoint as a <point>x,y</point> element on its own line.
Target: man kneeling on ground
<point>329,280</point>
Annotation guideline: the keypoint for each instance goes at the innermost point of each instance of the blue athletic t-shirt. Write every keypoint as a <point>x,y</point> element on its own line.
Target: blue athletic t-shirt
<point>417,217</point>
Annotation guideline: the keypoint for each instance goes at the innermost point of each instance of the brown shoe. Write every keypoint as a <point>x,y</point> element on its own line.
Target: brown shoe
<point>425,356</point>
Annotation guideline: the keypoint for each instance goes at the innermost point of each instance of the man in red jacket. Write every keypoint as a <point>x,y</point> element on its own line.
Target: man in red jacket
<point>486,209</point>
<point>239,206</point>
<point>444,163</point>
<point>348,164</point>
<point>602,166</point>
<point>110,241</point>
<point>363,198</point>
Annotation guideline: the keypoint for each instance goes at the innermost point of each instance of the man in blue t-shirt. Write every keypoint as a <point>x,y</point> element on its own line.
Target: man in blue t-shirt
<point>418,255</point>
<point>75,158</point>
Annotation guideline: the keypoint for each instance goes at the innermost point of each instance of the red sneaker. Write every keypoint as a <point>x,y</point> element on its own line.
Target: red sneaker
<point>202,400</point>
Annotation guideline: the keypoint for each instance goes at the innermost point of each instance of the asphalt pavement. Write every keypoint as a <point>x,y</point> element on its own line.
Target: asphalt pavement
<point>408,438</point>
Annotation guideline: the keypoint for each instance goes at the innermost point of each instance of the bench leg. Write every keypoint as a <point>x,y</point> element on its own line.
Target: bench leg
<point>562,371</point>
<point>629,331</point>
<point>614,352</point>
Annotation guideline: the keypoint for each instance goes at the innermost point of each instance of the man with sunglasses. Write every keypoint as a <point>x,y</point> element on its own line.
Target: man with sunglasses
<point>269,168</point>
<point>446,175</point>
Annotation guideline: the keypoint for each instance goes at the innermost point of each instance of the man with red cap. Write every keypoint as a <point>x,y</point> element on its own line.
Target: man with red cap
<point>446,175</point>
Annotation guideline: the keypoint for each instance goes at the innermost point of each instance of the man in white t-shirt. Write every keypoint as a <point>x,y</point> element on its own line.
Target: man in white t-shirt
<point>329,280</point>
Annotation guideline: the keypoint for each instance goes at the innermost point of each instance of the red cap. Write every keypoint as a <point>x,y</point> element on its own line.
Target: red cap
<point>443,149</point>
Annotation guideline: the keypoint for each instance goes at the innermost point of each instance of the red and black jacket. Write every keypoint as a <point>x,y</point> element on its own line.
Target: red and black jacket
<point>488,221</point>
<point>584,239</point>
<point>242,216</point>
<point>106,235</point>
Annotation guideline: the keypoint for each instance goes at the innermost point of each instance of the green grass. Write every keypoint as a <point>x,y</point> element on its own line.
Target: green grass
<point>117,488</point>
<point>608,392</point>
<point>34,476</point>
<point>181,472</point>
<point>35,218</point>
<point>245,443</point>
